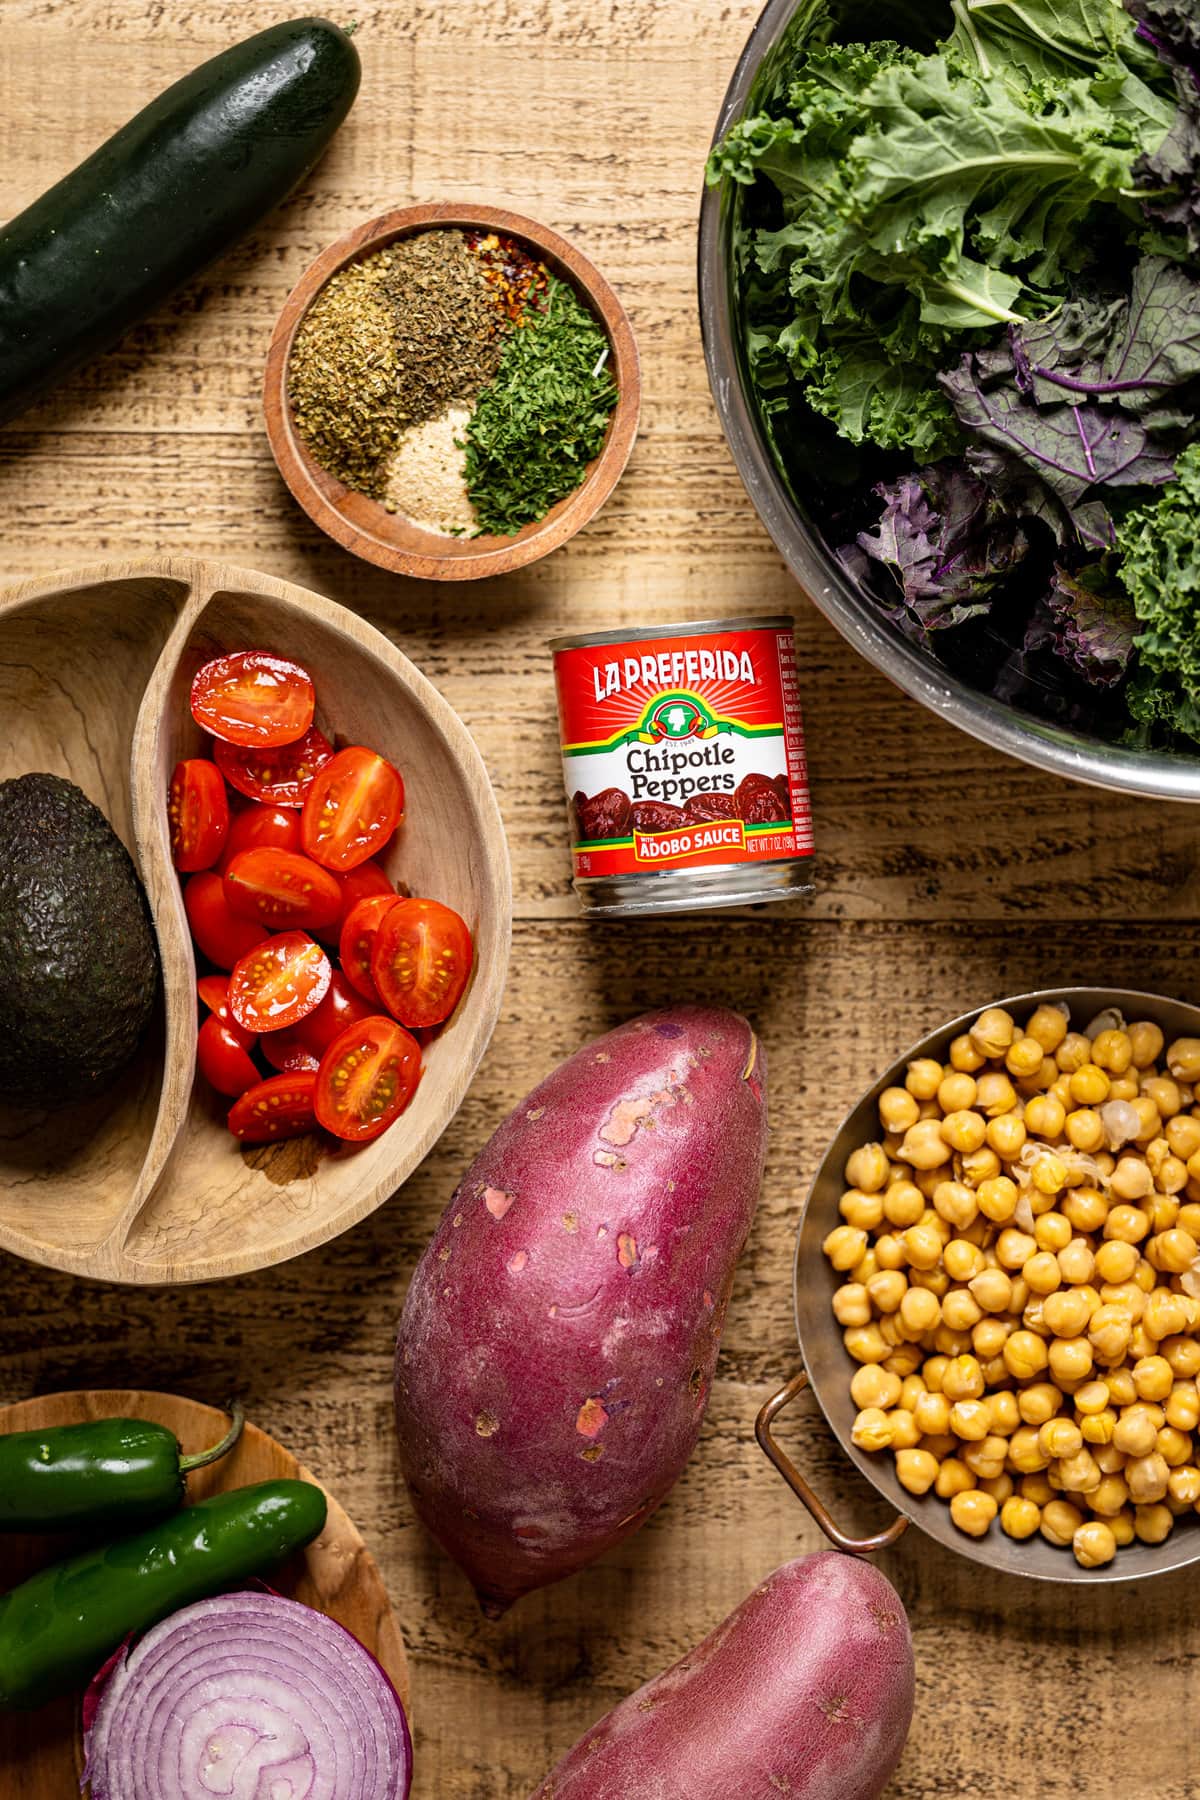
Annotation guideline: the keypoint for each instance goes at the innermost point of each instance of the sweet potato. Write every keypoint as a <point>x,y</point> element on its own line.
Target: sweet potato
<point>559,1337</point>
<point>805,1691</point>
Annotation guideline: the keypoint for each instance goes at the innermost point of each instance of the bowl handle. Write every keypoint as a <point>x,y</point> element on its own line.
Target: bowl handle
<point>798,1485</point>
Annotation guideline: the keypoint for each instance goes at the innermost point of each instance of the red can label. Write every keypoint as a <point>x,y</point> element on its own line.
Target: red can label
<point>684,751</point>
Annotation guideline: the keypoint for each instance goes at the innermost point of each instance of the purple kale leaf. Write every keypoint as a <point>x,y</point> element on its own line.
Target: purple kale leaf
<point>1136,352</point>
<point>946,542</point>
<point>1089,621</point>
<point>1170,178</point>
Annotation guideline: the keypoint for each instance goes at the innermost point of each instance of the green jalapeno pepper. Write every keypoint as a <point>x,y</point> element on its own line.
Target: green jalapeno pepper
<point>113,1473</point>
<point>57,1628</point>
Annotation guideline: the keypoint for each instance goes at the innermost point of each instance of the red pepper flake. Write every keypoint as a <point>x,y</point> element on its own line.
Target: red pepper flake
<point>517,281</point>
<point>592,1418</point>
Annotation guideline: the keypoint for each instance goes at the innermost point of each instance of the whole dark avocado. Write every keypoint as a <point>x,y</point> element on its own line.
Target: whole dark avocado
<point>78,956</point>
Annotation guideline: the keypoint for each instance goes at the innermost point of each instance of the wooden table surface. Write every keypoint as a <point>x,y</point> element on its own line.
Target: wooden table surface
<point>946,874</point>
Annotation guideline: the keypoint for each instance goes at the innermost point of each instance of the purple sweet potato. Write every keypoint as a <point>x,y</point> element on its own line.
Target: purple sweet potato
<point>805,1691</point>
<point>559,1337</point>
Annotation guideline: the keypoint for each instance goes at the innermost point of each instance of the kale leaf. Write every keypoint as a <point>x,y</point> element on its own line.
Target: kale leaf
<point>1160,571</point>
<point>1090,623</point>
<point>1170,174</point>
<point>946,543</point>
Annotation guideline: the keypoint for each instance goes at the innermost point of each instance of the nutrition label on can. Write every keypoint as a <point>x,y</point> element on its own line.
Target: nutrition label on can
<point>684,750</point>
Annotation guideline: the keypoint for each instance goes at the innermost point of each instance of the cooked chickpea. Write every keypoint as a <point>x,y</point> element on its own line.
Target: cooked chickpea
<point>889,1251</point>
<point>992,1032</point>
<point>985,1457</point>
<point>905,1435</point>
<point>1183,1354</point>
<point>1173,1446</point>
<point>953,1477</point>
<point>1023,1057</point>
<point>924,1146</point>
<point>1136,1433</point>
<point>956,1091</point>
<point>951,1343</point>
<point>1049,1026</point>
<point>866,1344</point>
<point>920,1311</point>
<point>1059,1437</point>
<point>1002,1411</point>
<point>1183,1486</point>
<point>845,1246</point>
<point>887,1289</point>
<point>970,1420</point>
<point>872,1429</point>
<point>932,1414</point>
<point>1052,1232</point>
<point>933,1372</point>
<point>1070,1358</point>
<point>1121,1527</point>
<point>995,1095</point>
<point>1108,1498</point>
<point>1039,1402</point>
<point>1182,1408</point>
<point>1060,1521</point>
<point>911,1390</point>
<point>1080,1474</point>
<point>963,1379</point>
<point>1094,1544</point>
<point>960,1310</point>
<point>852,1305</point>
<point>1019,1518</point>
<point>964,1131</point>
<point>1153,1377</point>
<point>1084,1129</point>
<point>1153,1524</point>
<point>1085,1209</point>
<point>1145,1043</point>
<point>1176,1251</point>
<point>1005,1135</point>
<point>1076,1262</point>
<point>941,1445</point>
<point>1098,1428</point>
<point>1165,1094</point>
<point>903,1204</point>
<point>1025,1355</point>
<point>1089,1085</point>
<point>922,1246</point>
<point>1014,1249</point>
<point>1073,1052</point>
<point>905,1360</point>
<point>1049,1174</point>
<point>867,1168</point>
<point>1183,1059</point>
<point>1043,1273</point>
<point>863,1211</point>
<point>1128,1223</point>
<point>973,1512</point>
<point>1164,1315</point>
<point>997,1198</point>
<point>916,1470</point>
<point>897,1109</point>
<point>962,1260</point>
<point>923,1078</point>
<point>874,1387</point>
<point>992,1289</point>
<point>1116,1260</point>
<point>1036,1488</point>
<point>1068,1312</point>
<point>1183,1135</point>
<point>1044,1116</point>
<point>1025,1453</point>
<point>1146,1477</point>
<point>964,1055</point>
<point>988,1339</point>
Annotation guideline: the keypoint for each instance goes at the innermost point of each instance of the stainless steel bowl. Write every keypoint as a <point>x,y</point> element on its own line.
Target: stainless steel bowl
<point>827,1369</point>
<point>1035,740</point>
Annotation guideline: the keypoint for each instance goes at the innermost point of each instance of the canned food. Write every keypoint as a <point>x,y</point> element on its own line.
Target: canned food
<point>683,758</point>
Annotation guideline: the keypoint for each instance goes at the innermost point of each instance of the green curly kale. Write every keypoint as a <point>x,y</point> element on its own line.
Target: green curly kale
<point>1161,574</point>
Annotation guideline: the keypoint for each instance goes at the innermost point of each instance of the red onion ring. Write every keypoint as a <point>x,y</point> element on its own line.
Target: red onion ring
<point>248,1696</point>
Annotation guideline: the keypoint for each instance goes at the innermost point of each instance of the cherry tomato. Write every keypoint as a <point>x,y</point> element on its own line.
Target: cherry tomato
<point>278,982</point>
<point>281,776</point>
<point>281,889</point>
<point>367,1077</point>
<point>357,942</point>
<point>356,884</point>
<point>214,993</point>
<point>280,1107</point>
<point>352,809</point>
<point>284,1051</point>
<point>250,697</point>
<point>260,828</point>
<point>223,1057</point>
<point>421,960</point>
<point>198,812</point>
<point>220,934</point>
<point>341,1006</point>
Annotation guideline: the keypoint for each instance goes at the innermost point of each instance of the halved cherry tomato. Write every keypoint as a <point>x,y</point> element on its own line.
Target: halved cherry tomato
<point>214,993</point>
<point>220,934</point>
<point>280,1107</point>
<point>281,776</point>
<point>278,982</point>
<point>341,1006</point>
<point>356,946</point>
<point>223,1057</point>
<point>261,828</point>
<point>356,884</point>
<point>198,812</point>
<point>421,960</point>
<point>251,697</point>
<point>367,1077</point>
<point>282,889</point>
<point>352,809</point>
<point>284,1051</point>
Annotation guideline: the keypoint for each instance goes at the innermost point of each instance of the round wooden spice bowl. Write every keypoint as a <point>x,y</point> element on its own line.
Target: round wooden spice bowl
<point>363,525</point>
<point>144,1184</point>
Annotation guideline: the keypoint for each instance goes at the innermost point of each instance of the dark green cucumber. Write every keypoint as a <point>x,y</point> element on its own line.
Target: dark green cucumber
<point>167,194</point>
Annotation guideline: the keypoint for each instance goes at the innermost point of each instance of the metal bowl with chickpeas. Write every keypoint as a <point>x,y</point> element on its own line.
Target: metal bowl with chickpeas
<point>997,1289</point>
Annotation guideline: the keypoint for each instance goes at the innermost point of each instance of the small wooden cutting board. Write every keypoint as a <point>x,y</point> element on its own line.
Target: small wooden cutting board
<point>41,1752</point>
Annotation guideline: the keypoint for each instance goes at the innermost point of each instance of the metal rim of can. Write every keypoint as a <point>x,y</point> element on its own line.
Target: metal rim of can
<point>635,634</point>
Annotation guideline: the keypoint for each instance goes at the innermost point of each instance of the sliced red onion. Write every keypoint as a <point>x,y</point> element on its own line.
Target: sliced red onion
<point>248,1697</point>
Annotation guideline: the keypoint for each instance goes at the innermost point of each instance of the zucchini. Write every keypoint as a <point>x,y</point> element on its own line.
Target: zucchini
<point>167,194</point>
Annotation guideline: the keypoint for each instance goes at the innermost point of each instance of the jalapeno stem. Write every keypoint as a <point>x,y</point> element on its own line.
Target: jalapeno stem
<point>201,1460</point>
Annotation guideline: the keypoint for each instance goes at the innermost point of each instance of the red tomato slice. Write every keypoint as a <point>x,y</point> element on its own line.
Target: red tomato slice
<point>281,889</point>
<point>367,1077</point>
<point>284,1051</point>
<point>280,1107</point>
<point>198,813</point>
<point>341,1006</point>
<point>261,828</point>
<point>214,993</point>
<point>223,1057</point>
<point>278,982</point>
<point>421,960</point>
<point>220,934</point>
<point>356,946</point>
<point>356,884</point>
<point>250,697</point>
<point>281,776</point>
<point>352,809</point>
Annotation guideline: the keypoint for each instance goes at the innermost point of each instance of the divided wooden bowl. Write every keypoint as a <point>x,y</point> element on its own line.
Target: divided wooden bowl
<point>145,1184</point>
<point>361,524</point>
<point>40,1752</point>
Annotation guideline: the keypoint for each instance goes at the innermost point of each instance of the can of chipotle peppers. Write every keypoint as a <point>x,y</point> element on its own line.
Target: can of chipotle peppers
<point>683,758</point>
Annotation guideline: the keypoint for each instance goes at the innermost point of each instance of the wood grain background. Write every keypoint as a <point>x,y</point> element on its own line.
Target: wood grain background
<point>945,874</point>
